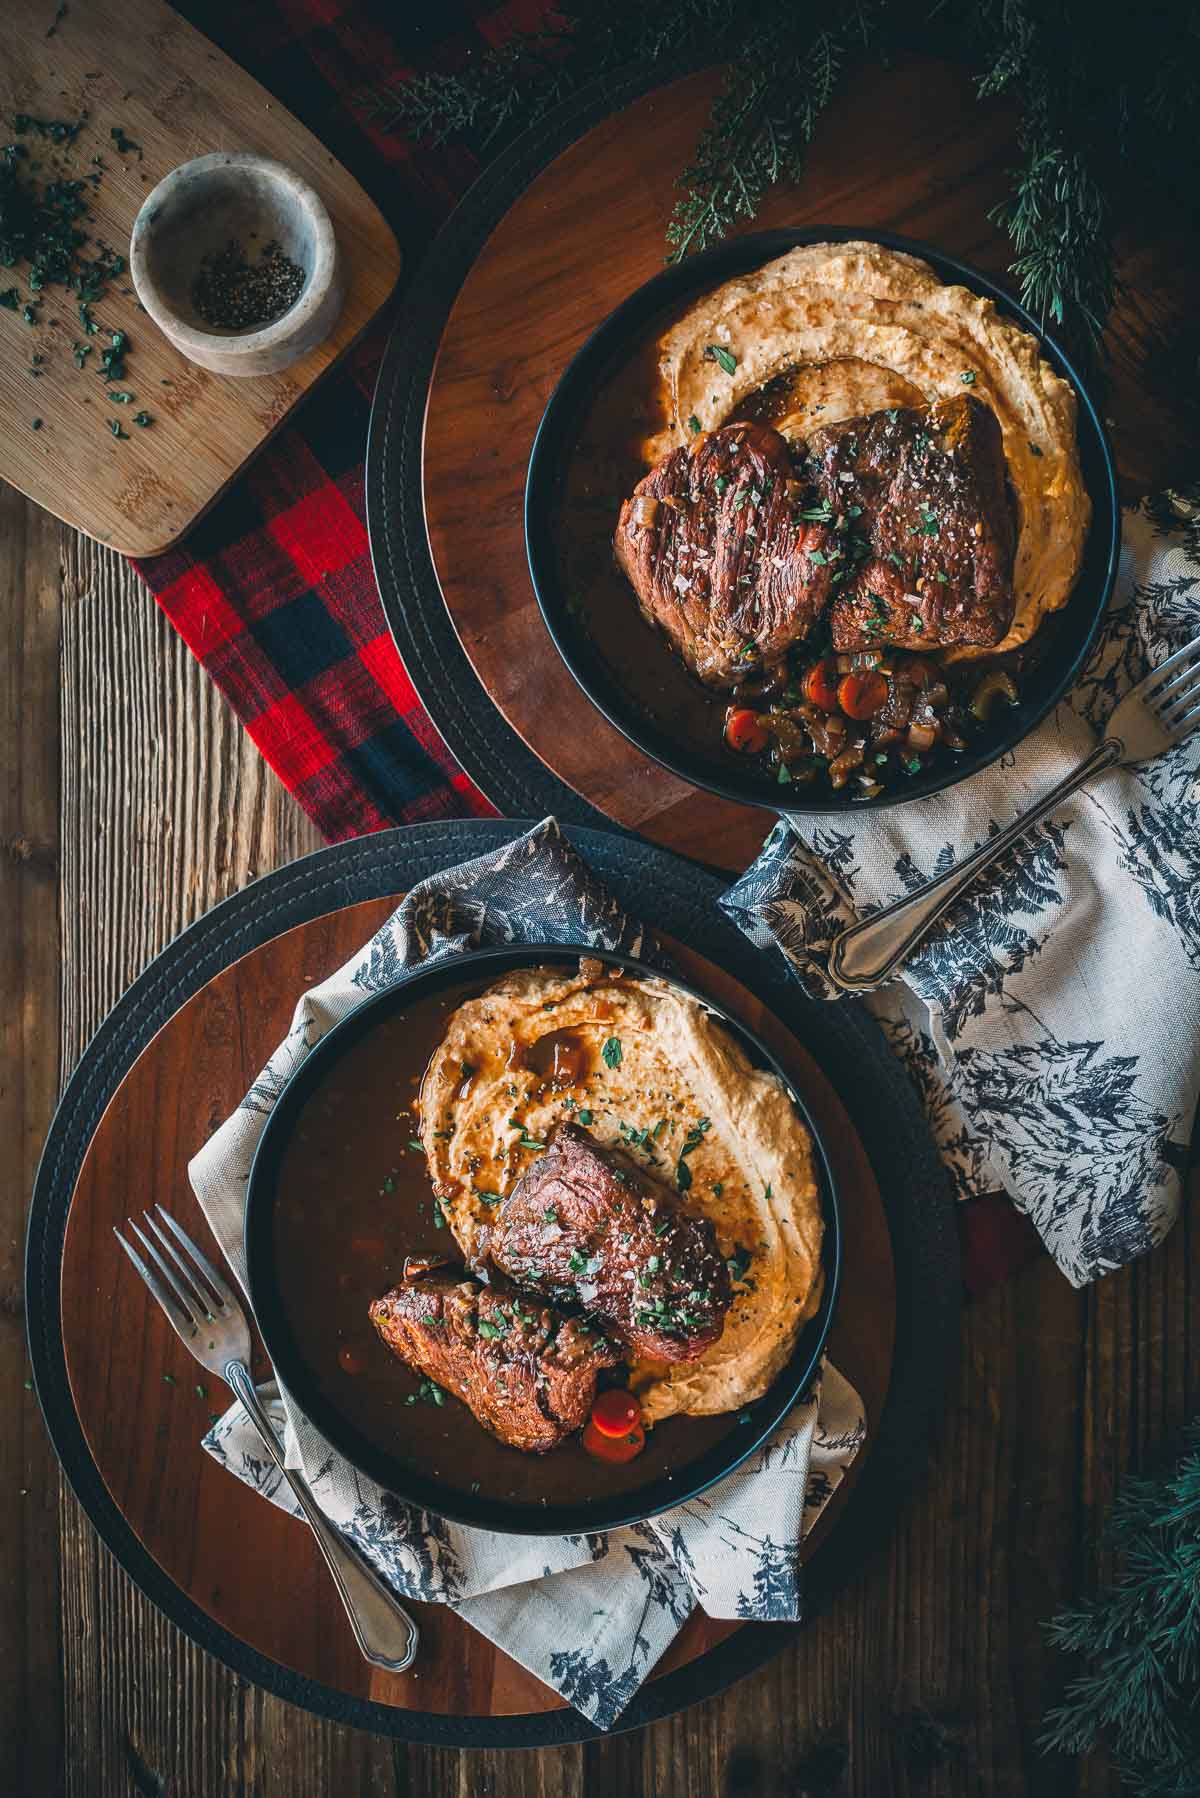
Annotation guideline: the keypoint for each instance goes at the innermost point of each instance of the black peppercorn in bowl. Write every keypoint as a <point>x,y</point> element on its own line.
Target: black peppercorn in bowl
<point>627,668</point>
<point>339,1197</point>
<point>234,257</point>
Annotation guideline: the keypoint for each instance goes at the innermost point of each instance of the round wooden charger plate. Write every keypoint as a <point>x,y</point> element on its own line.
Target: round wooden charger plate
<point>554,235</point>
<point>121,1394</point>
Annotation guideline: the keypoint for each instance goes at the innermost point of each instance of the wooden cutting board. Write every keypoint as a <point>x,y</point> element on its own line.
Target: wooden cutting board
<point>136,67</point>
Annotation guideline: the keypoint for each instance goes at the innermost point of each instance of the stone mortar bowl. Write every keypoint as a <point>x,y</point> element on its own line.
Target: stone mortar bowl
<point>197,209</point>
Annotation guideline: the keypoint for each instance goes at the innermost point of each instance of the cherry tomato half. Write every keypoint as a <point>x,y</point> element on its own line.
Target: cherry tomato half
<point>861,695</point>
<point>614,1448</point>
<point>820,686</point>
<point>616,1412</point>
<point>745,731</point>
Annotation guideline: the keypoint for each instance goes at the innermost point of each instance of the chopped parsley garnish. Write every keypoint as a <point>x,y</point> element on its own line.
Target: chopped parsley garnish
<point>585,1117</point>
<point>784,776</point>
<point>929,522</point>
<point>967,377</point>
<point>489,1198</point>
<point>816,555</point>
<point>717,353</point>
<point>612,1052</point>
<point>1033,448</point>
<point>694,425</point>
<point>693,1139</point>
<point>143,419</point>
<point>739,1264</point>
<point>576,1262</point>
<point>550,1215</point>
<point>439,1216</point>
<point>720,483</point>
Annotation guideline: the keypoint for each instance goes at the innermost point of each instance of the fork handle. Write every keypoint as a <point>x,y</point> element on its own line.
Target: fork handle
<point>866,953</point>
<point>384,1631</point>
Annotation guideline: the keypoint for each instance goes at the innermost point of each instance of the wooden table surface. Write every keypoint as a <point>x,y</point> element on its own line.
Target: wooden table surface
<point>131,802</point>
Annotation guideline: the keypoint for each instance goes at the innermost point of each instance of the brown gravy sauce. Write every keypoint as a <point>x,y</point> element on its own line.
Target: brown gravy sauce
<point>353,1202</point>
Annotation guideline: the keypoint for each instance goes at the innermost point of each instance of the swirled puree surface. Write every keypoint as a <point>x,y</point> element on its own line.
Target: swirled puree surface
<point>647,1068</point>
<point>839,330</point>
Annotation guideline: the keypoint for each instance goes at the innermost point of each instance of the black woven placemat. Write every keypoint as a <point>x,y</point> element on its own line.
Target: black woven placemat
<point>679,897</point>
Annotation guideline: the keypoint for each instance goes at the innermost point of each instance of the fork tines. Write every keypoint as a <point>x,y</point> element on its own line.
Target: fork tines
<point>199,1291</point>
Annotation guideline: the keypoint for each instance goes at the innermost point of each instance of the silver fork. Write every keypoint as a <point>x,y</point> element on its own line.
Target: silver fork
<point>206,1316</point>
<point>1161,710</point>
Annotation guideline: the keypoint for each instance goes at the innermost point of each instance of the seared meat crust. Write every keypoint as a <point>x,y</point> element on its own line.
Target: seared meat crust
<point>932,539</point>
<point>719,556</point>
<point>528,1374</point>
<point>586,1225</point>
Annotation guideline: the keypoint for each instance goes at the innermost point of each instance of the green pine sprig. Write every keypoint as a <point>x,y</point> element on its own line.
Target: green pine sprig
<point>762,121</point>
<point>1140,1639</point>
<point>1103,98</point>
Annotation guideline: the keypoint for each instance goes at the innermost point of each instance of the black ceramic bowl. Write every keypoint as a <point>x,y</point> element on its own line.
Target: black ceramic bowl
<point>381,1460</point>
<point>710,764</point>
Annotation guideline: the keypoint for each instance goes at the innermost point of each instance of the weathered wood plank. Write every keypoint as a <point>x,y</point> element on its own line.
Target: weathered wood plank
<point>30,1686</point>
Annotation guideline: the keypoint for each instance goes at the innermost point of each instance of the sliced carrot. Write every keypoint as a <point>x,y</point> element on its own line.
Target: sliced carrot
<point>616,1412</point>
<point>861,695</point>
<point>820,686</point>
<point>614,1448</point>
<point>745,731</point>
